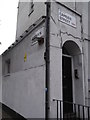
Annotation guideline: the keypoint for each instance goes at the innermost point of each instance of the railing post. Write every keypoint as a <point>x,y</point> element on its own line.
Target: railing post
<point>57,109</point>
<point>78,111</point>
<point>83,112</point>
<point>60,111</point>
<point>75,110</point>
<point>88,114</point>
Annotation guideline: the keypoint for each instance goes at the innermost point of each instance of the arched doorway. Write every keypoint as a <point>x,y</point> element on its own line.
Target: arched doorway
<point>71,75</point>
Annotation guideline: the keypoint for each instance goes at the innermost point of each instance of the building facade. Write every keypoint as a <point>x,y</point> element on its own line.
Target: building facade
<point>24,65</point>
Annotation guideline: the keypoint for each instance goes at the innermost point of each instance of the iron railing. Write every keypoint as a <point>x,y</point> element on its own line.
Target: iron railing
<point>79,112</point>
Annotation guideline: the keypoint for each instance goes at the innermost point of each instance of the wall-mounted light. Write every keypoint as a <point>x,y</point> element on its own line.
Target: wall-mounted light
<point>40,40</point>
<point>38,36</point>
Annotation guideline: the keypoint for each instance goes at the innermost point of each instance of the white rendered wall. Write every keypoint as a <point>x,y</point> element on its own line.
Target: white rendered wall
<point>23,20</point>
<point>24,89</point>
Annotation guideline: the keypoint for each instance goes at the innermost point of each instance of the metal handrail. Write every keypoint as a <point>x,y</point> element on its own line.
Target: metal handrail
<point>70,102</point>
<point>79,111</point>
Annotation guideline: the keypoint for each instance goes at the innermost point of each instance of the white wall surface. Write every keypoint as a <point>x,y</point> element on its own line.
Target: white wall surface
<point>23,20</point>
<point>24,89</point>
<point>24,92</point>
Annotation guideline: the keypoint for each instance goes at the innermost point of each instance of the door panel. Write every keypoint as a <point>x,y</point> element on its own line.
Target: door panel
<point>67,84</point>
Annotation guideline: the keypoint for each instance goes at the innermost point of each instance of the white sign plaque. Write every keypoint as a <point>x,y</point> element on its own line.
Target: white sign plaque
<point>67,18</point>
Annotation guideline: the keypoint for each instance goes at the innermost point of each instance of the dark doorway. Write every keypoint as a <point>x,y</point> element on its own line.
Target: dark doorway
<point>67,84</point>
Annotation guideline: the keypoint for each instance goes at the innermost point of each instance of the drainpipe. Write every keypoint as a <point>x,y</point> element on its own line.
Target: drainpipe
<point>47,60</point>
<point>83,66</point>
